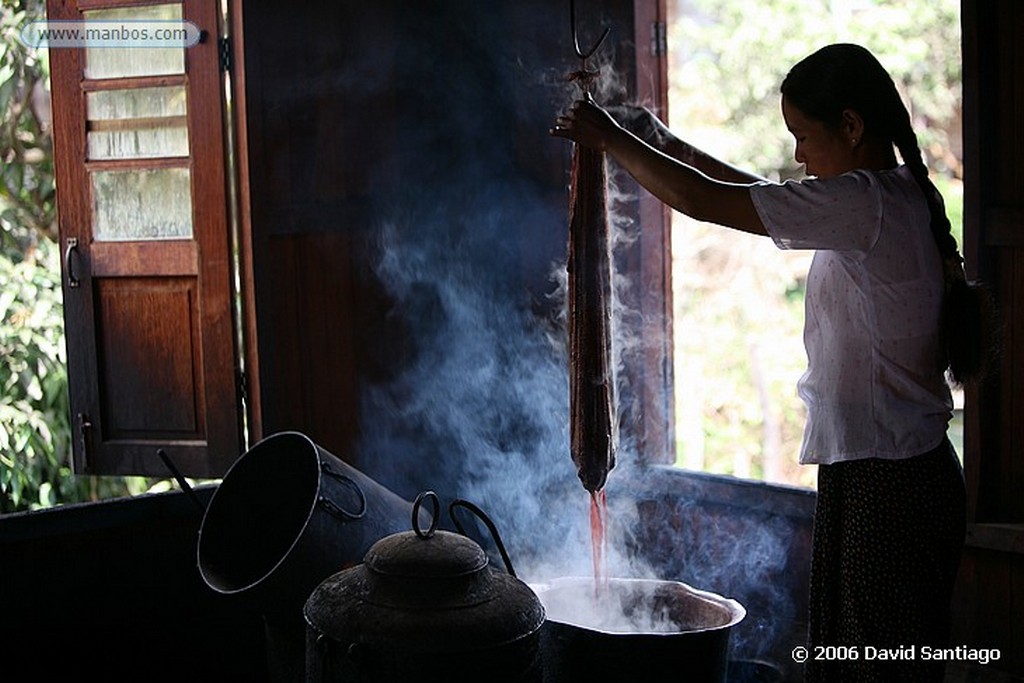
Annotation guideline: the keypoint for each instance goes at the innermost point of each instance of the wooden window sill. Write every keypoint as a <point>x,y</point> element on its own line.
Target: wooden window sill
<point>1007,538</point>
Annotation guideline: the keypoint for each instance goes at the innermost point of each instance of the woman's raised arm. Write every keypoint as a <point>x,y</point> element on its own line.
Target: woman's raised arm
<point>683,187</point>
<point>643,123</point>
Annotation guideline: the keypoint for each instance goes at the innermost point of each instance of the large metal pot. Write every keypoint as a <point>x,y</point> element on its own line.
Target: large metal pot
<point>423,606</point>
<point>287,515</point>
<point>635,630</point>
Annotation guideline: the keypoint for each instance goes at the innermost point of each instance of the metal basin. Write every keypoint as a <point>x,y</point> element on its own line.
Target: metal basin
<point>635,630</point>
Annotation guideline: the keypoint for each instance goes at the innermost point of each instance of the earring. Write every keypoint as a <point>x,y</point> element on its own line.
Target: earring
<point>853,142</point>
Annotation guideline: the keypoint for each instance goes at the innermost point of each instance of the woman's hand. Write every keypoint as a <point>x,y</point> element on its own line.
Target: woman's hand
<point>587,124</point>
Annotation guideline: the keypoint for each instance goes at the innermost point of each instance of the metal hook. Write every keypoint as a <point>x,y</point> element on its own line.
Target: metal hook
<point>576,39</point>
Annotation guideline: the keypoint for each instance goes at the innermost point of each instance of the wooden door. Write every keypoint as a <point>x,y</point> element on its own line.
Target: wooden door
<point>142,204</point>
<point>330,146</point>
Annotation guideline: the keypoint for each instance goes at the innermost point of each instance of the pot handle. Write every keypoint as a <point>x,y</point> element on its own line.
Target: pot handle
<point>335,509</point>
<point>487,522</point>
<point>436,503</point>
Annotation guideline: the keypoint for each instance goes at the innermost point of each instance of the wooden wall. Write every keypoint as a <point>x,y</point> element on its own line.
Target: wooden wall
<point>989,605</point>
<point>424,124</point>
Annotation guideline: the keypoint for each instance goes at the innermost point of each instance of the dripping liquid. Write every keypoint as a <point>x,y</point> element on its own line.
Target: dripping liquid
<point>599,539</point>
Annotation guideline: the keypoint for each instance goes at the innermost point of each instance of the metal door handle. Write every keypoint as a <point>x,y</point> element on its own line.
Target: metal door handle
<point>71,248</point>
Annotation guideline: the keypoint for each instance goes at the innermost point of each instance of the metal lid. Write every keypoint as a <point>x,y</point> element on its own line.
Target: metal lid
<point>424,592</point>
<point>441,555</point>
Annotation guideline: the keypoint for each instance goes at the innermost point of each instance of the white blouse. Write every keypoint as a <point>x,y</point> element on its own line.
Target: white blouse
<point>875,381</point>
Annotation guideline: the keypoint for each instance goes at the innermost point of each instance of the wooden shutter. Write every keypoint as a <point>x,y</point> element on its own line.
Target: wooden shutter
<point>142,204</point>
<point>649,260</point>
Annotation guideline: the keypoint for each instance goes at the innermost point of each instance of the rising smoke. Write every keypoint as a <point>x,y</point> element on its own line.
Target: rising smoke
<point>471,255</point>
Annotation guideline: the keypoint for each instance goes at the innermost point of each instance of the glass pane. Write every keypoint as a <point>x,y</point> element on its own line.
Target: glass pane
<point>121,62</point>
<point>141,205</point>
<point>138,123</point>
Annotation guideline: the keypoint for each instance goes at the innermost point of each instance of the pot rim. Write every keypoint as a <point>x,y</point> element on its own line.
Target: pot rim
<point>736,611</point>
<point>245,460</point>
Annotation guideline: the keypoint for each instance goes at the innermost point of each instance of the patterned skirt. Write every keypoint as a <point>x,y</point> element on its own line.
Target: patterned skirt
<point>887,541</point>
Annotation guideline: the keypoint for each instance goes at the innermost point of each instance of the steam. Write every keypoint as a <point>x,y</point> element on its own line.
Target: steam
<point>473,401</point>
<point>481,407</point>
<point>471,396</point>
<point>635,606</point>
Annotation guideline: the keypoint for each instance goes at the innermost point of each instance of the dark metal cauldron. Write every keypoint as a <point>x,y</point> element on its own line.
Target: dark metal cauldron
<point>424,606</point>
<point>635,631</point>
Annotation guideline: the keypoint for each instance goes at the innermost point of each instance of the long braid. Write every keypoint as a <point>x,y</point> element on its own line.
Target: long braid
<point>906,142</point>
<point>966,315</point>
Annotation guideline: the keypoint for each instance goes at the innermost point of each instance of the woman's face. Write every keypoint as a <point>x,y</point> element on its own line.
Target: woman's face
<point>825,152</point>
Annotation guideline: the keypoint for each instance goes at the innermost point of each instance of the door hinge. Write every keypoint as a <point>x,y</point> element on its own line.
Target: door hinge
<point>224,53</point>
<point>659,39</point>
<point>243,386</point>
<point>85,437</point>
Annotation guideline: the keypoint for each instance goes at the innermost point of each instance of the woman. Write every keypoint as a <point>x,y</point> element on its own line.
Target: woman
<point>888,310</point>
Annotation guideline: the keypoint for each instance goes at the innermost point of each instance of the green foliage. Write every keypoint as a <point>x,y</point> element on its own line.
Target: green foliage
<point>27,192</point>
<point>33,381</point>
<point>35,429</point>
<point>728,58</point>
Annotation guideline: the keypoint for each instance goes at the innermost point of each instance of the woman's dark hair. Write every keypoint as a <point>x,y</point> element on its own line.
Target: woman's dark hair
<point>844,77</point>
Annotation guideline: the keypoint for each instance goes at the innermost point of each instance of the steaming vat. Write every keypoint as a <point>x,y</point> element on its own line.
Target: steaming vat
<point>637,630</point>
